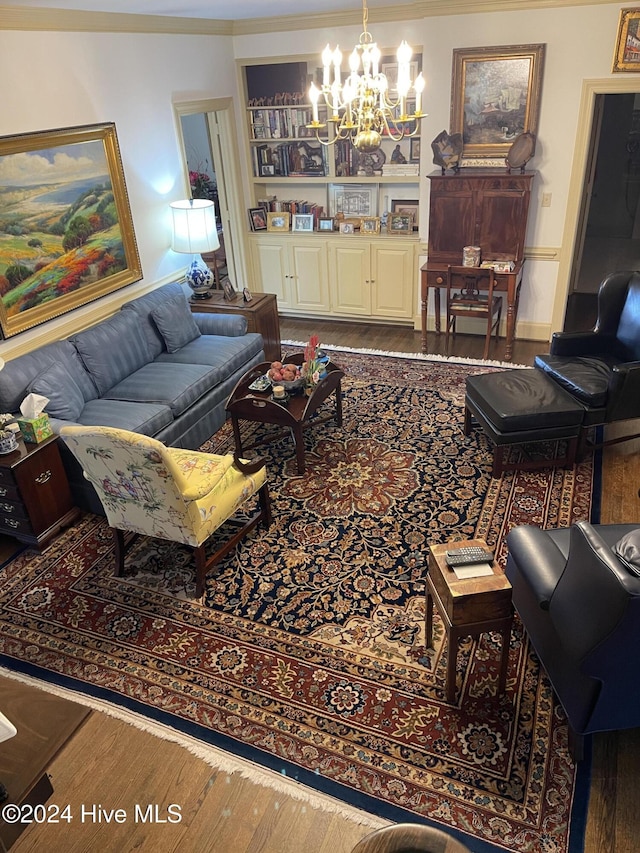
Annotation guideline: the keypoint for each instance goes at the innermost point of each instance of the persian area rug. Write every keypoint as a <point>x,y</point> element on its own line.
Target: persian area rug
<point>307,652</point>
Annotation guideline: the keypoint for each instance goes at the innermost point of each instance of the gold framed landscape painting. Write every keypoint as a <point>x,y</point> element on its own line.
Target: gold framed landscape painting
<point>66,232</point>
<point>627,54</point>
<point>495,96</point>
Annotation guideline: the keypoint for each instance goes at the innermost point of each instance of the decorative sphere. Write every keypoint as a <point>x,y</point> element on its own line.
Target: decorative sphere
<point>368,140</point>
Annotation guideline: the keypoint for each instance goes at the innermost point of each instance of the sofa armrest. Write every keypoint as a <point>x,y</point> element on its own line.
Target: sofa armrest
<point>229,325</point>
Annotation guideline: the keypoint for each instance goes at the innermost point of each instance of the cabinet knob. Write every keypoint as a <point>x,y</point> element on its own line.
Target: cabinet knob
<point>3,491</point>
<point>439,280</point>
<point>11,522</point>
<point>44,477</point>
<point>5,507</point>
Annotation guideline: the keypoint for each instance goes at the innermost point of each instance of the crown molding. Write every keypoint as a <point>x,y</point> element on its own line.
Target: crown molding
<point>68,20</point>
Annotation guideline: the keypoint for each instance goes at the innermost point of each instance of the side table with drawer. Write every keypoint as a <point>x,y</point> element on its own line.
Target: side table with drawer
<point>261,314</point>
<point>35,499</point>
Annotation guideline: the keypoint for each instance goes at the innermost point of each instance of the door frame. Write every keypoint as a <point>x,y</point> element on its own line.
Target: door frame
<point>221,124</point>
<point>591,89</point>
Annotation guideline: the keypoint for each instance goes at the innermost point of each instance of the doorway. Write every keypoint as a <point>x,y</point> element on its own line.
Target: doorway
<point>207,133</point>
<point>608,229</point>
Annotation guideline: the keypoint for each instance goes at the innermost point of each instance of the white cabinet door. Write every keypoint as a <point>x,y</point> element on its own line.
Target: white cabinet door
<point>272,266</point>
<point>393,274</point>
<point>309,276</point>
<point>350,276</point>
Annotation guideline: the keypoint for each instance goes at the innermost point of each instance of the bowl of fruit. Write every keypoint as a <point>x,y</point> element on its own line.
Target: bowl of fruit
<point>289,376</point>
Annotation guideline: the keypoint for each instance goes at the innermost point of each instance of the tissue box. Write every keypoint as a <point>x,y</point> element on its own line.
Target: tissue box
<point>35,430</point>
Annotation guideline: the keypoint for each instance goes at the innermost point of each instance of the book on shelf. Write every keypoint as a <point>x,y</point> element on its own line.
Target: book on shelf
<point>400,169</point>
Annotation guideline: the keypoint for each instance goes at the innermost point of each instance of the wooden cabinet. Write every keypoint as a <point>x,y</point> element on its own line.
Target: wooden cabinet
<point>375,278</point>
<point>478,207</point>
<point>261,315</point>
<point>35,499</point>
<point>294,269</point>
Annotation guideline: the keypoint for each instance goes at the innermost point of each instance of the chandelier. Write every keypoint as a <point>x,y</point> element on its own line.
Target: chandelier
<point>361,107</point>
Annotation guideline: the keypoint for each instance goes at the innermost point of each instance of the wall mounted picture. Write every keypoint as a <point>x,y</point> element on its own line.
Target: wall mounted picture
<point>352,199</point>
<point>627,53</point>
<point>66,230</point>
<point>495,96</point>
<point>278,221</point>
<point>258,218</point>
<point>400,223</point>
<point>405,205</point>
<point>302,222</point>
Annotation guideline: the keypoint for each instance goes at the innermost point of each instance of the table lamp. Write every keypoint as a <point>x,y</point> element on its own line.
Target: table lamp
<point>195,231</point>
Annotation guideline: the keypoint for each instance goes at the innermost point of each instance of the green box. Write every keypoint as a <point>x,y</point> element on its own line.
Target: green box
<point>35,430</point>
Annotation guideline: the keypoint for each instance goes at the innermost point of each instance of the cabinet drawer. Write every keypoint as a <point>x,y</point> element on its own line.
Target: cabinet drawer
<point>14,525</point>
<point>6,477</point>
<point>9,491</point>
<point>12,508</point>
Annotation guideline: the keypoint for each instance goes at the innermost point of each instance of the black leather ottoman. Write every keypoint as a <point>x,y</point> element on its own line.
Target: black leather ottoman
<point>516,407</point>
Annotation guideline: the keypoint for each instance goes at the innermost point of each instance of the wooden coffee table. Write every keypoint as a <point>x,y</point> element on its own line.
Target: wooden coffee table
<point>247,405</point>
<point>468,607</point>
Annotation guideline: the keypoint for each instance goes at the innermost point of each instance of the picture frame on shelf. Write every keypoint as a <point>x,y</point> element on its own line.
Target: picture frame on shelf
<point>352,200</point>
<point>246,294</point>
<point>267,170</point>
<point>400,223</point>
<point>406,205</point>
<point>414,150</point>
<point>258,218</point>
<point>495,96</point>
<point>325,223</point>
<point>370,225</point>
<point>229,290</point>
<point>60,268</point>
<point>278,220</point>
<point>626,56</point>
<point>302,222</point>
<point>347,227</point>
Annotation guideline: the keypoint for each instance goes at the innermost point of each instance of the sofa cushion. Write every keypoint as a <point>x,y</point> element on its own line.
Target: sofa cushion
<point>58,385</point>
<point>145,418</point>
<point>20,371</point>
<point>586,379</point>
<point>142,308</point>
<point>175,323</point>
<point>112,349</point>
<point>228,354</point>
<point>179,387</point>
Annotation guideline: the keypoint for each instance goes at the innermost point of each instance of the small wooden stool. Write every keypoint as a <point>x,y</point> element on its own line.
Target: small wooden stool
<point>468,607</point>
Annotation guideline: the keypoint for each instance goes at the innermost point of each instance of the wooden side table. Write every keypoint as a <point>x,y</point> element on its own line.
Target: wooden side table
<point>261,314</point>
<point>35,499</point>
<point>468,607</point>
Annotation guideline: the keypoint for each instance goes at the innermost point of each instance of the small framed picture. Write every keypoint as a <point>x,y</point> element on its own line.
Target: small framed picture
<point>267,171</point>
<point>302,222</point>
<point>278,221</point>
<point>406,205</point>
<point>347,227</point>
<point>258,219</point>
<point>414,150</point>
<point>325,223</point>
<point>400,223</point>
<point>370,225</point>
<point>246,294</point>
<point>229,290</point>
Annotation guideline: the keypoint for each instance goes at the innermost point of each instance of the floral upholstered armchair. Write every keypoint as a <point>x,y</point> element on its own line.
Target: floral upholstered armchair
<point>167,492</point>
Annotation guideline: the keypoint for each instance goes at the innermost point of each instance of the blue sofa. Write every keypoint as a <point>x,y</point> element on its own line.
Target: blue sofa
<point>153,368</point>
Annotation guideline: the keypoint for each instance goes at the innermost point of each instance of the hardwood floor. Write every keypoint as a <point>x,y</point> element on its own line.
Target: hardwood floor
<point>110,763</point>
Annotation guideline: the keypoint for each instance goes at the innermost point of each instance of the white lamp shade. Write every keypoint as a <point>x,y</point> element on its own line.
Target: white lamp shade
<point>194,226</point>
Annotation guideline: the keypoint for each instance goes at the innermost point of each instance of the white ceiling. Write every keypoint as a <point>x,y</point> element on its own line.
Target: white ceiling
<point>229,10</point>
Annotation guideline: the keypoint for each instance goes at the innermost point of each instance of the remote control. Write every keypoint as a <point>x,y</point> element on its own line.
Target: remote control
<point>468,556</point>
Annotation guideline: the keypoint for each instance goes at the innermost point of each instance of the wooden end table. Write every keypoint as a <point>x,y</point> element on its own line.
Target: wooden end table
<point>244,404</point>
<point>261,314</point>
<point>468,607</point>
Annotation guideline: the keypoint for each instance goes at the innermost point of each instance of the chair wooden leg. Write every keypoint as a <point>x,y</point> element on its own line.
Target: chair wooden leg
<point>265,505</point>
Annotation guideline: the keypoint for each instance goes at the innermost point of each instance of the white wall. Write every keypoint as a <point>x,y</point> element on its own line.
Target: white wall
<point>54,79</point>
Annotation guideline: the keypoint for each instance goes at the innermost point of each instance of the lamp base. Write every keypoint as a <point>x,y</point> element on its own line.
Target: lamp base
<point>199,278</point>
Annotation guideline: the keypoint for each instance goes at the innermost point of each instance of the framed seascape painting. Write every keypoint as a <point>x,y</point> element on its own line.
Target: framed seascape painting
<point>66,232</point>
<point>495,96</point>
<point>627,54</point>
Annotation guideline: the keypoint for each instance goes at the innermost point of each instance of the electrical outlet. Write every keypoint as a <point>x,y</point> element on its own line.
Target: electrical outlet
<point>546,199</point>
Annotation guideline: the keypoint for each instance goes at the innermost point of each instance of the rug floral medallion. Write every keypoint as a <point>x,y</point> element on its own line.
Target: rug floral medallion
<point>307,652</point>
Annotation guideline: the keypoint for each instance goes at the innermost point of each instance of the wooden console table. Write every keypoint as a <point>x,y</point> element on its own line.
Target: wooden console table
<point>435,275</point>
<point>261,314</point>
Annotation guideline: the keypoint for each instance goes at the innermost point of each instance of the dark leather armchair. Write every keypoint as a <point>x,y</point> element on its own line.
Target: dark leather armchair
<point>601,368</point>
<point>580,606</point>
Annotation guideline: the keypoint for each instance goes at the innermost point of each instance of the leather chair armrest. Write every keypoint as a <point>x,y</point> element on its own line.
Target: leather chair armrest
<point>592,594</point>
<point>623,399</point>
<point>581,343</point>
<point>536,557</point>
